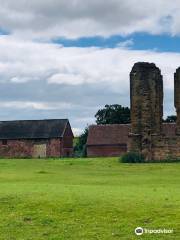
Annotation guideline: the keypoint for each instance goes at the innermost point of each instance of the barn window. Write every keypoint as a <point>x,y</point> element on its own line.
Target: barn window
<point>4,142</point>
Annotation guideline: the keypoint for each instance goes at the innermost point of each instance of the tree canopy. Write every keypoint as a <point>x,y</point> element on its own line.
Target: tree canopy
<point>113,114</point>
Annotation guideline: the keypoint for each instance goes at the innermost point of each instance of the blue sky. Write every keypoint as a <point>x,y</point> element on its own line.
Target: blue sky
<point>3,32</point>
<point>60,60</point>
<point>140,41</point>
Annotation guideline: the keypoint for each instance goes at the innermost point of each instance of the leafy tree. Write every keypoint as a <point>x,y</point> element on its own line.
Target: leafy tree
<point>113,114</point>
<point>80,147</point>
<point>171,119</point>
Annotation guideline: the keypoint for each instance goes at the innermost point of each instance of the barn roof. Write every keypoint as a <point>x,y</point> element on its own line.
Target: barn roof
<point>108,134</point>
<point>118,133</point>
<point>33,129</point>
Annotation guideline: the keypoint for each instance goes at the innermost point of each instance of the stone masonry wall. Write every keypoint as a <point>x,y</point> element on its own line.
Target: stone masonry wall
<point>146,91</point>
<point>146,137</point>
<point>166,148</point>
<point>177,97</point>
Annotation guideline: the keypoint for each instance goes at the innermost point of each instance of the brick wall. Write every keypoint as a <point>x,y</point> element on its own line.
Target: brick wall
<point>67,142</point>
<point>24,148</point>
<point>54,148</point>
<point>16,148</point>
<point>106,151</point>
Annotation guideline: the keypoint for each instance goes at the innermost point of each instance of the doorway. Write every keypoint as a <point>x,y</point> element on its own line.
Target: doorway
<point>39,151</point>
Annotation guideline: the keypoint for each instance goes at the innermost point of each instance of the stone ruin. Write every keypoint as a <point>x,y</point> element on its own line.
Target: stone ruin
<point>146,92</point>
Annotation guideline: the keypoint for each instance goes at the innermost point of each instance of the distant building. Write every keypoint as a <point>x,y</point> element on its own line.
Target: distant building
<point>36,138</point>
<point>112,139</point>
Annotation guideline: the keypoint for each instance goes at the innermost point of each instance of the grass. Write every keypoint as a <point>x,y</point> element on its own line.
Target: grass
<point>78,199</point>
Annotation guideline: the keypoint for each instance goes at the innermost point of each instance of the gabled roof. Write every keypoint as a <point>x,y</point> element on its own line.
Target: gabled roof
<point>33,129</point>
<point>118,133</point>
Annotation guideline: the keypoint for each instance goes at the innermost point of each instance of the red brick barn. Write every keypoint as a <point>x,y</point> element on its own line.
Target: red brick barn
<point>113,140</point>
<point>107,140</point>
<point>36,138</point>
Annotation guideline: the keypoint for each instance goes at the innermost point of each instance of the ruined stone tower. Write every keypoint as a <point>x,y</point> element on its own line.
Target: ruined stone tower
<point>177,98</point>
<point>146,89</point>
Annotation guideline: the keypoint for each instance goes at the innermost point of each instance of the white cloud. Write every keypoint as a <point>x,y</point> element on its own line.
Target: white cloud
<point>52,18</point>
<point>77,131</point>
<point>126,44</point>
<point>67,78</point>
<point>35,105</point>
<point>45,80</point>
<point>24,61</point>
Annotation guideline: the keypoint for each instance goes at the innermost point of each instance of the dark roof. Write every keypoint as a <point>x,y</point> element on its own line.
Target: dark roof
<point>118,133</point>
<point>33,129</point>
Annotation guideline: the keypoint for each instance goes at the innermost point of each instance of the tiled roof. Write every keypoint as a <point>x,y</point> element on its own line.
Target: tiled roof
<point>32,129</point>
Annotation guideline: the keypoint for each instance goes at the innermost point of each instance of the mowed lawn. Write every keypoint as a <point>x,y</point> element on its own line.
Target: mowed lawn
<point>87,199</point>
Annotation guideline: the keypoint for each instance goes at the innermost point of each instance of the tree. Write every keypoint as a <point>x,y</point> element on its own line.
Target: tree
<point>113,114</point>
<point>80,147</point>
<point>171,119</point>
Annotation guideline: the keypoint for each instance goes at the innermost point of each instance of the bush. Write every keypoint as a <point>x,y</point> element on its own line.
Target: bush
<point>132,157</point>
<point>80,144</point>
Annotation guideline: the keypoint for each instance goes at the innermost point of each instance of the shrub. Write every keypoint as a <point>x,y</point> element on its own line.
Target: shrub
<point>132,157</point>
<point>80,144</point>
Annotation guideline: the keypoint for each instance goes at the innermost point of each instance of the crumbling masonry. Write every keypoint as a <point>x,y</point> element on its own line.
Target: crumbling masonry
<point>146,90</point>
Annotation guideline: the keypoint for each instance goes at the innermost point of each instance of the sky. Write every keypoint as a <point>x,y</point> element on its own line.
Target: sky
<point>61,59</point>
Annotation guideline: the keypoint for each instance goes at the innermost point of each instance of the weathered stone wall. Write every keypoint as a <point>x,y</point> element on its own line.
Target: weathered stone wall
<point>177,97</point>
<point>165,148</point>
<point>146,90</point>
<point>146,137</point>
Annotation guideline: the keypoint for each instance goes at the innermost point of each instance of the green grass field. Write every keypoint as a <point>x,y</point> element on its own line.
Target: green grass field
<point>87,199</point>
